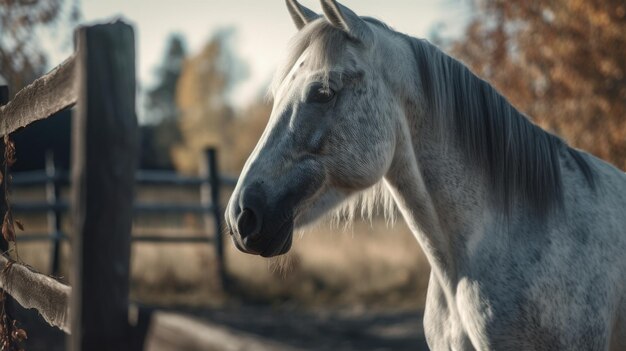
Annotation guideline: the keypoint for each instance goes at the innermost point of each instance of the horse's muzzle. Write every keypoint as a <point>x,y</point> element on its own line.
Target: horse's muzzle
<point>259,228</point>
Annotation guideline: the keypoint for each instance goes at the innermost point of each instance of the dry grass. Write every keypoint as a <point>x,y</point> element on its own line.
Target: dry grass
<point>368,264</point>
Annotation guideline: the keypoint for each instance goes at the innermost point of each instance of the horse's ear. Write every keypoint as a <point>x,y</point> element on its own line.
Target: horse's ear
<point>343,18</point>
<point>300,14</point>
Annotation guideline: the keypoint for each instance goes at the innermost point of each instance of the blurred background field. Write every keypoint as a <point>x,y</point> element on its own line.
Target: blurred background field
<point>373,264</point>
<point>354,287</point>
<point>204,68</point>
<point>380,268</point>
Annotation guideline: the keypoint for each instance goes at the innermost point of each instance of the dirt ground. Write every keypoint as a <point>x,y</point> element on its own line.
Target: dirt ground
<point>286,328</point>
<point>323,330</point>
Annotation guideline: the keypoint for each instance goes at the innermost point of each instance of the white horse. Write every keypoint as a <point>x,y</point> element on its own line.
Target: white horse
<point>525,235</point>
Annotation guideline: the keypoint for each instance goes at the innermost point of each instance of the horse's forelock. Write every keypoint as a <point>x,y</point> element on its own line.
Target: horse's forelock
<point>324,45</point>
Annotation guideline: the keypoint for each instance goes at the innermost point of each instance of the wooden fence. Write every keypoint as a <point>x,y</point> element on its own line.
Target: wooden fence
<point>99,81</point>
<point>208,184</point>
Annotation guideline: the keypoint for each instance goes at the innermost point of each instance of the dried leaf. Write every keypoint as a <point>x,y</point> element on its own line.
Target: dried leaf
<point>19,224</point>
<point>8,232</point>
<point>9,152</point>
<point>20,335</point>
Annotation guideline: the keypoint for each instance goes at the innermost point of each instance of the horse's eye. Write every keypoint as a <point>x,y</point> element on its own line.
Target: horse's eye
<point>320,95</point>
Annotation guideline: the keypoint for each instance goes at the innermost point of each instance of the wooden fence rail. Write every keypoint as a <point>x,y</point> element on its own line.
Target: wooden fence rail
<point>43,98</point>
<point>35,290</point>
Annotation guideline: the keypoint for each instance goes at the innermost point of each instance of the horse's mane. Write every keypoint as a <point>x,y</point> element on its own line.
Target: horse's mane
<point>521,159</point>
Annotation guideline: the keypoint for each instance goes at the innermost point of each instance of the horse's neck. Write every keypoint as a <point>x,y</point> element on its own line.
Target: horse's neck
<point>440,197</point>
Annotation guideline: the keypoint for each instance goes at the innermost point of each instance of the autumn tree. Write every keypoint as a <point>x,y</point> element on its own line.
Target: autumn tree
<point>202,97</point>
<point>161,98</point>
<point>22,57</point>
<point>562,62</point>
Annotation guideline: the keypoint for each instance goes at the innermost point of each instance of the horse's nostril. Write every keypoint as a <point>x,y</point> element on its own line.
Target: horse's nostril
<point>248,223</point>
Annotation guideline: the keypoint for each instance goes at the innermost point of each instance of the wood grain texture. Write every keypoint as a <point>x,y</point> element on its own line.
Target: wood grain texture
<point>41,99</point>
<point>105,148</point>
<point>35,290</point>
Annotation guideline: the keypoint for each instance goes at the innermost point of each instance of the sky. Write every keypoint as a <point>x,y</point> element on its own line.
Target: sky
<point>263,28</point>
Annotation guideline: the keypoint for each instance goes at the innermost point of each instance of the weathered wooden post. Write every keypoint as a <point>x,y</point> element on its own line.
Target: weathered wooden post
<point>54,215</point>
<point>210,198</point>
<point>4,94</point>
<point>4,98</point>
<point>104,156</point>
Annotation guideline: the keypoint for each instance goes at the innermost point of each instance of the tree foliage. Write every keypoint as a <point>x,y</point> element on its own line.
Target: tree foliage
<point>206,114</point>
<point>22,58</point>
<point>562,62</point>
<point>161,98</point>
<point>161,111</point>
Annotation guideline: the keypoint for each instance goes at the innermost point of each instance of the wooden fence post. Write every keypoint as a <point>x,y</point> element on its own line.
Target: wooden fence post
<point>54,216</point>
<point>105,147</point>
<point>4,98</point>
<point>4,95</point>
<point>210,197</point>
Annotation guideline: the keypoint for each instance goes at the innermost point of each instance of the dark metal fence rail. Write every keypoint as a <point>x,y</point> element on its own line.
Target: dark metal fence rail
<point>55,179</point>
<point>173,178</point>
<point>143,177</point>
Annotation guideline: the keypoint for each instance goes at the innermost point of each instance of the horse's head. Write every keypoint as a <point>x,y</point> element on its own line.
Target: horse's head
<point>331,134</point>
